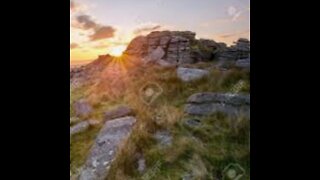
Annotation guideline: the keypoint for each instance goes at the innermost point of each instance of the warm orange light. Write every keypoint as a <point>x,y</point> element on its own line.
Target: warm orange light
<point>117,51</point>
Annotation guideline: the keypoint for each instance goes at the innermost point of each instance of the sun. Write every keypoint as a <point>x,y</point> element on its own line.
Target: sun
<point>117,51</point>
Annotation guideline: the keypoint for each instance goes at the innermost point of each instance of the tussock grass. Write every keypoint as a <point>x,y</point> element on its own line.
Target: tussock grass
<point>202,151</point>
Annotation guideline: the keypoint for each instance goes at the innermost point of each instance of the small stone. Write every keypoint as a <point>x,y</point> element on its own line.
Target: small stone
<point>164,138</point>
<point>192,122</point>
<point>141,165</point>
<point>190,74</point>
<point>78,128</point>
<point>82,108</point>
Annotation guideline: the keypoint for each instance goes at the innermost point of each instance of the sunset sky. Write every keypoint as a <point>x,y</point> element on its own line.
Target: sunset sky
<point>107,26</point>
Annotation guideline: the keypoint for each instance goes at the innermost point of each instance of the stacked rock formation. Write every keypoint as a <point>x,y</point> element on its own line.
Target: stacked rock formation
<point>181,47</point>
<point>174,47</point>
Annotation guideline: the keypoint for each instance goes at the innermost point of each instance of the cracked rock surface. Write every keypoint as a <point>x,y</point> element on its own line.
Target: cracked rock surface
<point>105,147</point>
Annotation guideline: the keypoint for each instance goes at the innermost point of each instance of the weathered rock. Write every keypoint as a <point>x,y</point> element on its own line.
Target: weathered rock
<point>137,47</point>
<point>164,138</point>
<point>78,128</point>
<point>189,74</point>
<point>164,63</point>
<point>243,63</point>
<point>118,113</point>
<point>226,98</point>
<point>192,122</point>
<point>141,165</point>
<point>156,55</point>
<point>181,47</point>
<point>105,147</point>
<point>228,56</point>
<point>225,64</point>
<point>171,46</point>
<point>85,74</point>
<point>203,104</point>
<point>82,108</point>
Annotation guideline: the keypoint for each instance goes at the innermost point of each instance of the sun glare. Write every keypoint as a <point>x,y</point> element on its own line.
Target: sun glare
<point>117,51</point>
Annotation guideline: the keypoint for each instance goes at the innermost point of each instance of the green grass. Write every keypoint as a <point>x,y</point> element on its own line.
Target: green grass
<point>79,147</point>
<point>203,151</point>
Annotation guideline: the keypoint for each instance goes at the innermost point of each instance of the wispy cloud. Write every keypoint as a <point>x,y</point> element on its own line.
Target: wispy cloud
<point>146,28</point>
<point>235,13</point>
<point>228,35</point>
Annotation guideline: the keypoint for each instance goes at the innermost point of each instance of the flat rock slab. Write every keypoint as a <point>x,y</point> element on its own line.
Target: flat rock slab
<point>204,104</point>
<point>80,127</point>
<point>105,147</point>
<point>119,112</point>
<point>190,74</point>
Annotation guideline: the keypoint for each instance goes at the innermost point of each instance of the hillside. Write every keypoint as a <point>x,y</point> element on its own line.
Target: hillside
<point>171,107</point>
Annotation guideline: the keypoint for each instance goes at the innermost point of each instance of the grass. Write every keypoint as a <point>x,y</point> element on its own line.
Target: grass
<point>202,151</point>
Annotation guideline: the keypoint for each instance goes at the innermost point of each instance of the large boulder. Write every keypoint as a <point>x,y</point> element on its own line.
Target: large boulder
<point>105,147</point>
<point>191,74</point>
<point>204,104</point>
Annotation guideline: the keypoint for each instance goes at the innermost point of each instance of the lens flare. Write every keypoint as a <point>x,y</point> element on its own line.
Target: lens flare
<point>117,51</point>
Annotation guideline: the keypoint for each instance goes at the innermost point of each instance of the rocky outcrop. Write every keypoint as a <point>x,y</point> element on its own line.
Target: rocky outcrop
<point>240,50</point>
<point>235,55</point>
<point>174,47</point>
<point>191,74</point>
<point>181,47</point>
<point>85,74</point>
<point>204,104</point>
<point>105,147</point>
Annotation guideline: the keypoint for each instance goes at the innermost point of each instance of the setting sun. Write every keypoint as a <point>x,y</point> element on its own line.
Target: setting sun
<point>117,51</point>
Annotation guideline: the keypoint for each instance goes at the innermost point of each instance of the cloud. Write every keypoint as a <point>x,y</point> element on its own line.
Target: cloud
<point>103,32</point>
<point>146,28</point>
<point>236,13</point>
<point>74,45</point>
<point>87,23</point>
<point>235,34</point>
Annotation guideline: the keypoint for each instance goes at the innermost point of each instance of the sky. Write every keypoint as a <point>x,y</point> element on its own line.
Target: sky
<point>100,27</point>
